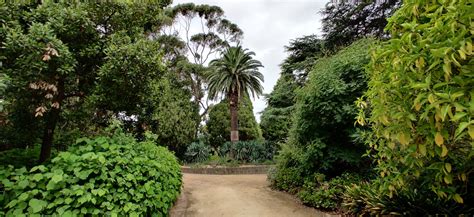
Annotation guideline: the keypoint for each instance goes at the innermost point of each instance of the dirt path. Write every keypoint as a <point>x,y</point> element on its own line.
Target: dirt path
<point>236,195</point>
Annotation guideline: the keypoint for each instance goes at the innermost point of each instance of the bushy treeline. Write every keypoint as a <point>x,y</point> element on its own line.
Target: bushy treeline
<point>381,126</point>
<point>67,69</point>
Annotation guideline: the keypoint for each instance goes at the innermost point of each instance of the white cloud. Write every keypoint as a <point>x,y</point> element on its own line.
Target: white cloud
<point>268,26</point>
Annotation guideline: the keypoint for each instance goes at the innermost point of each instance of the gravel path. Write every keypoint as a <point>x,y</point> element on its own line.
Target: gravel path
<point>236,195</point>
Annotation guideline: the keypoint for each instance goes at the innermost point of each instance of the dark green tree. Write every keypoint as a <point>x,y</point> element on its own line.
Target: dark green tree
<point>347,21</point>
<point>235,75</point>
<point>302,52</point>
<point>53,52</point>
<point>218,124</point>
<point>275,120</point>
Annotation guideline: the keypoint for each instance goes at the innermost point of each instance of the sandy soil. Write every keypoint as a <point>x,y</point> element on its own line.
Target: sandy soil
<point>236,195</point>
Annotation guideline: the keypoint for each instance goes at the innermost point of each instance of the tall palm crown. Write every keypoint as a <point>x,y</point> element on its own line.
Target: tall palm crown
<point>232,75</point>
<point>236,72</point>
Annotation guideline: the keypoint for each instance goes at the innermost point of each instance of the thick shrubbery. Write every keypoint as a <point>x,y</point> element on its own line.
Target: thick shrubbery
<point>105,176</point>
<point>249,151</point>
<point>319,193</point>
<point>321,138</point>
<point>420,105</point>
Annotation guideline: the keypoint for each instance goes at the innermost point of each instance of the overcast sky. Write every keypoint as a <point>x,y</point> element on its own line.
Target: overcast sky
<point>268,26</point>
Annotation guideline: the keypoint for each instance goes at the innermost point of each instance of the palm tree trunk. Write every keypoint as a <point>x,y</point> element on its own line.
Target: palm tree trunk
<point>234,121</point>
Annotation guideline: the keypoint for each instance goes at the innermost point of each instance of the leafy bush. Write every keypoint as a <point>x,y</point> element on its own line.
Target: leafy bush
<point>421,104</point>
<point>325,111</point>
<point>105,176</point>
<point>366,198</point>
<point>249,151</point>
<point>326,194</point>
<point>197,152</point>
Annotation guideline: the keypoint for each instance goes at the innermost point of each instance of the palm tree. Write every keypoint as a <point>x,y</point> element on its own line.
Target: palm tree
<point>234,74</point>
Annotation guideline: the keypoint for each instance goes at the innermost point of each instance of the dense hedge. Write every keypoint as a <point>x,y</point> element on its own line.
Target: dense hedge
<point>321,140</point>
<point>105,176</point>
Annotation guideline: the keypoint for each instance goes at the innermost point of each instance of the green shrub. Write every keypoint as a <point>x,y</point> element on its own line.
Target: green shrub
<point>367,198</point>
<point>249,151</point>
<point>105,176</point>
<point>420,104</point>
<point>197,152</point>
<point>326,194</point>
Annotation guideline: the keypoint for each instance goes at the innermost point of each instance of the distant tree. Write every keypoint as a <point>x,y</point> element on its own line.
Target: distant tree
<point>345,21</point>
<point>275,120</point>
<point>235,75</point>
<point>218,124</point>
<point>214,35</point>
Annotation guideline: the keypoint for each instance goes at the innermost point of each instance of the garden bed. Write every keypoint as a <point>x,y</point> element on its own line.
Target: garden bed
<point>225,170</point>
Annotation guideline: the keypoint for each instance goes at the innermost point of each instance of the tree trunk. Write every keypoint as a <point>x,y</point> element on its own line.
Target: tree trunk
<point>52,119</point>
<point>234,120</point>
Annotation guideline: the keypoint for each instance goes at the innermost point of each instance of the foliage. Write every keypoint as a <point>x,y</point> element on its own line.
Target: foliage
<point>347,21</point>
<point>275,120</point>
<point>234,75</point>
<point>197,45</point>
<point>321,140</point>
<point>236,72</point>
<point>325,110</point>
<point>52,53</point>
<point>249,151</point>
<point>302,52</point>
<point>174,115</point>
<point>421,102</point>
<point>365,198</point>
<point>319,193</point>
<point>20,157</point>
<point>134,72</point>
<point>198,152</point>
<point>218,125</point>
<point>109,175</point>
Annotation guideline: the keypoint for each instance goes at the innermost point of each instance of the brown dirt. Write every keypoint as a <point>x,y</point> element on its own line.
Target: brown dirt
<point>236,195</point>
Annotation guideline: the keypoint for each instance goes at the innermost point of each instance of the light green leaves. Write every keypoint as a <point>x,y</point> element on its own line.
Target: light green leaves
<point>439,118</point>
<point>37,205</point>
<point>70,185</point>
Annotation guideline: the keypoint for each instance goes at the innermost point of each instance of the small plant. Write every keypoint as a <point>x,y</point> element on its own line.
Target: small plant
<point>198,152</point>
<point>326,194</point>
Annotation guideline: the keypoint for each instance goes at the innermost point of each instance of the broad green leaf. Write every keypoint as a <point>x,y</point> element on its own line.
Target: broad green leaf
<point>37,205</point>
<point>56,178</point>
<point>23,183</point>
